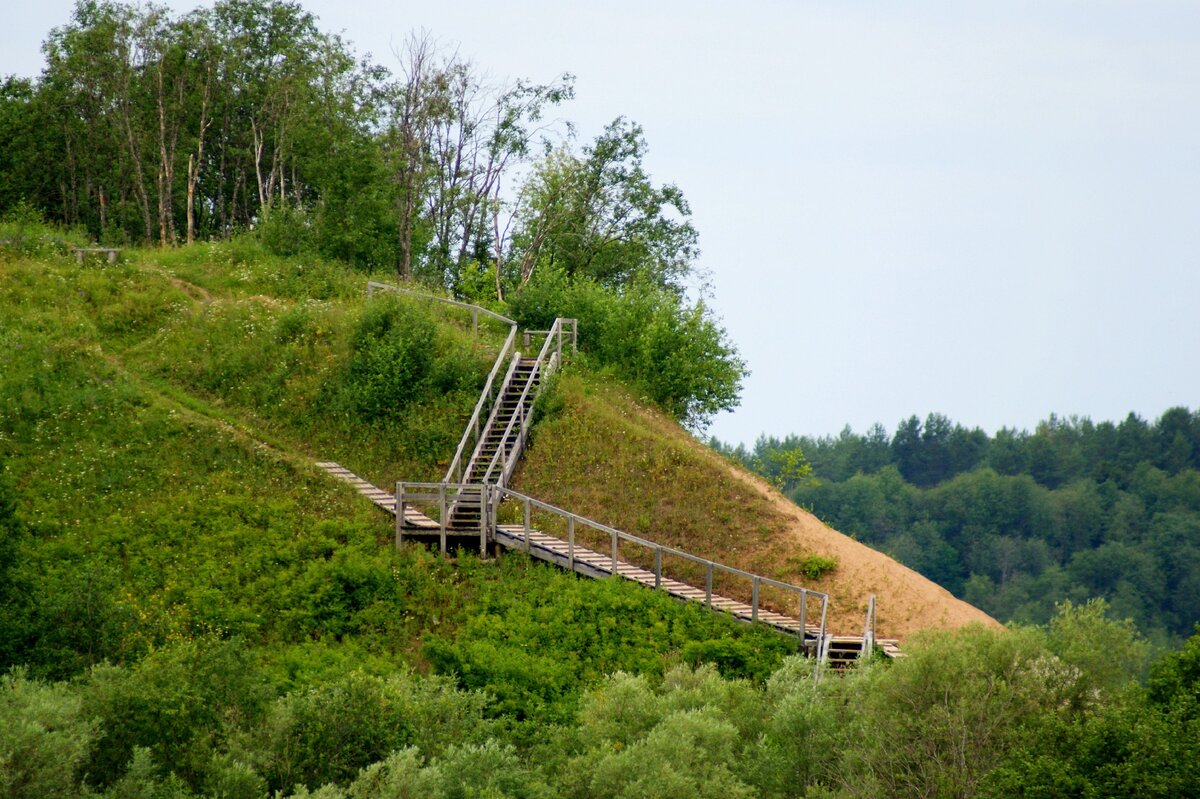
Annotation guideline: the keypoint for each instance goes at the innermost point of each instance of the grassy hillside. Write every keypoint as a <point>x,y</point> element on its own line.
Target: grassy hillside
<point>158,424</point>
<point>602,453</point>
<point>193,610</point>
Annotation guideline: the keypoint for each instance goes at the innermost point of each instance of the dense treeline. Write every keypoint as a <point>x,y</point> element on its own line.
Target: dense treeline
<point>244,119</point>
<point>1019,521</point>
<point>154,129</point>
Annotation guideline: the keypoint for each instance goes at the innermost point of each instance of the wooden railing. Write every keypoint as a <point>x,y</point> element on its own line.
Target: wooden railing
<point>485,409</point>
<point>868,645</point>
<point>476,310</point>
<point>487,398</point>
<point>497,494</point>
<point>501,466</point>
<point>437,500</point>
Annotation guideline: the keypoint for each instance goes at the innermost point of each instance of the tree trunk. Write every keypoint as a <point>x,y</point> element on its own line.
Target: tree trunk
<point>191,200</point>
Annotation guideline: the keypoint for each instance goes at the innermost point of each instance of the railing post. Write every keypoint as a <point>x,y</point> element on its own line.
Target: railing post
<point>658,567</point>
<point>442,518</point>
<point>868,639</point>
<point>558,339</point>
<point>475,321</point>
<point>708,585</point>
<point>872,620</point>
<point>571,543</point>
<point>527,525</point>
<point>525,339</point>
<point>754,599</point>
<point>614,552</point>
<point>484,506</point>
<point>399,514</point>
<point>803,616</point>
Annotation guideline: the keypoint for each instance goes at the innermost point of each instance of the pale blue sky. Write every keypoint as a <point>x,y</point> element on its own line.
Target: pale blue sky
<point>988,209</point>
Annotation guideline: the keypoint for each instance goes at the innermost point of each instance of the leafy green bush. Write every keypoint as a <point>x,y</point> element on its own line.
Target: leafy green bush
<point>144,779</point>
<point>683,738</point>
<point>816,566</point>
<point>24,231</point>
<point>401,775</point>
<point>328,733</point>
<point>1175,679</point>
<point>675,353</point>
<point>44,738</point>
<point>286,230</point>
<point>394,360</point>
<point>170,704</point>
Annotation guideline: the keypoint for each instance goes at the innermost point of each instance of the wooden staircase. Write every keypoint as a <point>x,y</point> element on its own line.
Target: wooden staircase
<point>501,441</point>
<point>466,502</point>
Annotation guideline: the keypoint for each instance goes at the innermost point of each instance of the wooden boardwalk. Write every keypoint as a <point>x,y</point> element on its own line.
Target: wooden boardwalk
<point>594,564</point>
<point>475,487</point>
<point>590,563</point>
<point>585,561</point>
<point>381,498</point>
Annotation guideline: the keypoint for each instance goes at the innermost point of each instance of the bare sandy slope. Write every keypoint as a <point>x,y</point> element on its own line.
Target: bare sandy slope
<point>609,457</point>
<point>906,602</point>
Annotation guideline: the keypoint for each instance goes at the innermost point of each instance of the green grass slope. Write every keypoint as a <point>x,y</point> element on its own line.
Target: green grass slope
<point>158,424</point>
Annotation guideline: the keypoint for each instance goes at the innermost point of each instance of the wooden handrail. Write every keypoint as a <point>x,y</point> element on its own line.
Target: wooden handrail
<point>456,470</point>
<point>543,366</point>
<point>633,539</point>
<point>476,310</point>
<point>498,493</point>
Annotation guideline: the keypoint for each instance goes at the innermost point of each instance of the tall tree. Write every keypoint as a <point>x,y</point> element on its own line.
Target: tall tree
<point>598,215</point>
<point>453,138</point>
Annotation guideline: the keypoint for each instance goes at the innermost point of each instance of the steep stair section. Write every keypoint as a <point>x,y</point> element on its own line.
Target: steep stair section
<point>498,445</point>
<point>501,440</point>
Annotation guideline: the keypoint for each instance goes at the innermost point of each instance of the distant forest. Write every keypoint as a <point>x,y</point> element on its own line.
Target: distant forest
<point>1017,522</point>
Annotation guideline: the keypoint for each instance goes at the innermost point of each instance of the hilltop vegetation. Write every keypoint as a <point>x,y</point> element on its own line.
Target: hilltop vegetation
<point>1018,522</point>
<point>147,127</point>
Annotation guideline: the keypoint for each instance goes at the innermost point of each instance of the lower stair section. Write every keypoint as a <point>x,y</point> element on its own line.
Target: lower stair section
<point>835,650</point>
<point>590,563</point>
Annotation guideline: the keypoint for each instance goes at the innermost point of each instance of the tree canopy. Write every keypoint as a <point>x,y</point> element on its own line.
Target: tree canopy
<point>151,128</point>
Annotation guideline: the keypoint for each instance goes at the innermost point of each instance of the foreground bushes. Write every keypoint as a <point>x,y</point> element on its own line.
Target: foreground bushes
<point>972,713</point>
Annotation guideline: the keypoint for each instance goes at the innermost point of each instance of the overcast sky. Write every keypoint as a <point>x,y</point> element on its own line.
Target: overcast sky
<point>990,209</point>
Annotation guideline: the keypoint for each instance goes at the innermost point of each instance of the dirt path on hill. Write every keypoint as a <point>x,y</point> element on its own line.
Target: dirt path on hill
<point>906,601</point>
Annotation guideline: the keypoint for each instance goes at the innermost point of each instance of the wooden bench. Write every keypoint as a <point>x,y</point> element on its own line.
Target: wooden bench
<point>108,252</point>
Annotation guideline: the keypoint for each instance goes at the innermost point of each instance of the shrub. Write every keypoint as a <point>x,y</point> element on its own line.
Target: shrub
<point>816,566</point>
<point>675,353</point>
<point>327,734</point>
<point>286,230</point>
<point>170,704</point>
<point>396,360</point>
<point>44,738</point>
